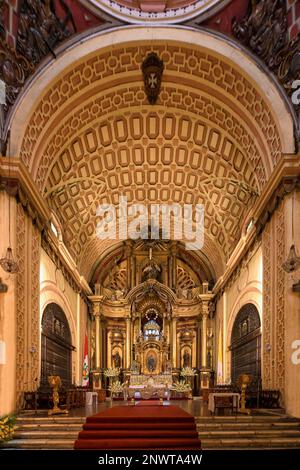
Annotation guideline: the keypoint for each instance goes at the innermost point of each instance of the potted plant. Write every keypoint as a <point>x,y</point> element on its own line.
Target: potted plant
<point>188,373</point>
<point>182,389</point>
<point>117,390</point>
<point>7,428</point>
<point>112,373</point>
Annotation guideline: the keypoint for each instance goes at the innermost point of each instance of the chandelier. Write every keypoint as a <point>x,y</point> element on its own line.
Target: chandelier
<point>8,263</point>
<point>293,261</point>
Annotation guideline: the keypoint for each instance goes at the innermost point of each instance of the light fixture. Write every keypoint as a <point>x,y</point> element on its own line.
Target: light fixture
<point>8,264</point>
<point>293,261</point>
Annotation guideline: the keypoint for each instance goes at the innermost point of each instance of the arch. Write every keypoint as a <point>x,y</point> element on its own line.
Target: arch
<point>221,95</point>
<point>246,343</point>
<point>56,344</point>
<point>73,51</point>
<point>50,293</point>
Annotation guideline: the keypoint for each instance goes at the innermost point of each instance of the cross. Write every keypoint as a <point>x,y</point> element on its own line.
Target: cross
<point>152,80</point>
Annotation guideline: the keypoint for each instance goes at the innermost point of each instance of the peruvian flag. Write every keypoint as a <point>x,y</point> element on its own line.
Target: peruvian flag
<point>85,368</point>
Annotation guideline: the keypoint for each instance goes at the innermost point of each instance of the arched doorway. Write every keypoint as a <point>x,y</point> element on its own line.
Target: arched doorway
<point>246,343</point>
<point>56,345</point>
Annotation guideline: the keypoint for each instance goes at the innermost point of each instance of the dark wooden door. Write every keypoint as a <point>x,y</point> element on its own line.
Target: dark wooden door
<point>56,346</point>
<point>246,344</point>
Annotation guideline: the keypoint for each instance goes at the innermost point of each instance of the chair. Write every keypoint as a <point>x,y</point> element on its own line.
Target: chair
<point>223,403</point>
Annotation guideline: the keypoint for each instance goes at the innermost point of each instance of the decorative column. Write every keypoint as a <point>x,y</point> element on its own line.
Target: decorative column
<point>174,342</point>
<point>128,341</point>
<point>198,341</point>
<point>205,372</point>
<point>129,257</point>
<point>205,312</point>
<point>133,269</point>
<point>174,264</point>
<point>97,316</point>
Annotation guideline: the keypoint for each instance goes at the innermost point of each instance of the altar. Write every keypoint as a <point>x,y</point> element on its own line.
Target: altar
<point>145,387</point>
<point>155,381</point>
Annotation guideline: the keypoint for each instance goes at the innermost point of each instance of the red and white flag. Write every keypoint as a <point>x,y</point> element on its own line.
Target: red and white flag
<point>85,368</point>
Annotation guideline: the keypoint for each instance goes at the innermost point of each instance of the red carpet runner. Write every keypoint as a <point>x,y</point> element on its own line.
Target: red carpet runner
<point>139,427</point>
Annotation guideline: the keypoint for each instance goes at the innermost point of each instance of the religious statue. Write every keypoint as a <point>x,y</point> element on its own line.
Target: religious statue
<point>186,359</point>
<point>135,367</point>
<point>117,360</point>
<point>151,363</point>
<point>151,271</point>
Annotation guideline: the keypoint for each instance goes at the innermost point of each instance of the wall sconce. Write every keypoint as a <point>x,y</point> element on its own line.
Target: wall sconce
<point>33,350</point>
<point>268,348</point>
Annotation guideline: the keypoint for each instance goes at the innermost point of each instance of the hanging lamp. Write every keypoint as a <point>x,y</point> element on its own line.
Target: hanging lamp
<point>8,263</point>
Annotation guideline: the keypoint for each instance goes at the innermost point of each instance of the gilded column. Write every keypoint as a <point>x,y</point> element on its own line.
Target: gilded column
<point>128,341</point>
<point>198,356</point>
<point>128,254</point>
<point>133,263</point>
<point>98,339</point>
<point>174,264</point>
<point>174,342</point>
<point>205,312</point>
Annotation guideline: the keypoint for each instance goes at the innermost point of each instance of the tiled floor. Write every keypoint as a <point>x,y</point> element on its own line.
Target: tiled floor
<point>195,407</point>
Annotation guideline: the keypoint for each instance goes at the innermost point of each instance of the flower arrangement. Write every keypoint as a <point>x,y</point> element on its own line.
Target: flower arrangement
<point>112,372</point>
<point>181,387</point>
<point>187,372</point>
<point>7,427</point>
<point>116,387</point>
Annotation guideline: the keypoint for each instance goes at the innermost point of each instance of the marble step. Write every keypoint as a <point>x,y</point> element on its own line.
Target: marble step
<point>217,444</point>
<point>48,427</point>
<point>43,444</point>
<point>247,426</point>
<point>253,443</point>
<point>245,434</point>
<point>245,419</point>
<point>50,420</point>
<point>60,434</point>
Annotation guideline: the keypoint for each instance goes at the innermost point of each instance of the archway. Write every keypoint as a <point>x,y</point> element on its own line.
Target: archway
<point>56,345</point>
<point>246,343</point>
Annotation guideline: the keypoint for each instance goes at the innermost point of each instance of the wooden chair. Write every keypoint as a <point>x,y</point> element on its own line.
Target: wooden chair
<point>223,403</point>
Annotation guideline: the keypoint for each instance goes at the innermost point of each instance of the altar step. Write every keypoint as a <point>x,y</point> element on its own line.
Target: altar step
<point>221,433</point>
<point>248,432</point>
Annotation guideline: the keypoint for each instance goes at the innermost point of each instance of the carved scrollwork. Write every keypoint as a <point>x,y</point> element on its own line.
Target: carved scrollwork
<point>40,29</point>
<point>2,30</point>
<point>264,29</point>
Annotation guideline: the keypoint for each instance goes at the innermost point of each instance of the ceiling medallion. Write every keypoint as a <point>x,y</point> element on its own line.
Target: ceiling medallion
<point>152,68</point>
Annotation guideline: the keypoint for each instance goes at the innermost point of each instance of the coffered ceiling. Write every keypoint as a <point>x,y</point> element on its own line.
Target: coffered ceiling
<point>211,139</point>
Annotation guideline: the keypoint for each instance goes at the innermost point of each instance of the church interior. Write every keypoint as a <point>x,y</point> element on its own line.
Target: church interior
<point>185,102</point>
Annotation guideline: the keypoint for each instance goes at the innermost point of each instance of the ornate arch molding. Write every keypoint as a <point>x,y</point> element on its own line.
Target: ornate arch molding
<point>250,295</point>
<point>50,293</point>
<point>215,44</point>
<point>163,292</point>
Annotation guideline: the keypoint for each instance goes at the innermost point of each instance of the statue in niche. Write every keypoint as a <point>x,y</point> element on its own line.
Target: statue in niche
<point>135,367</point>
<point>186,359</point>
<point>151,363</point>
<point>152,270</point>
<point>117,360</point>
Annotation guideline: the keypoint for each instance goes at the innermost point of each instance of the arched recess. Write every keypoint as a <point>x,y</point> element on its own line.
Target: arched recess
<point>246,343</point>
<point>56,345</point>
